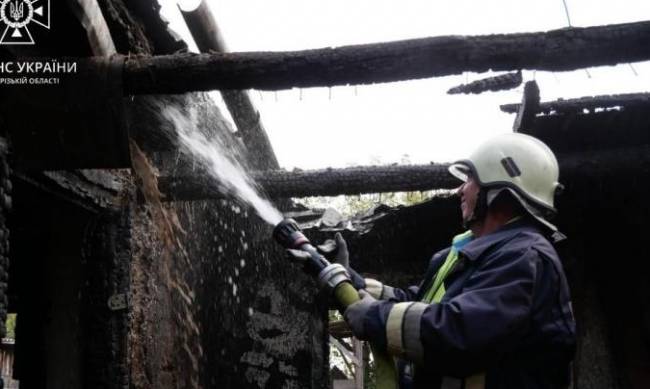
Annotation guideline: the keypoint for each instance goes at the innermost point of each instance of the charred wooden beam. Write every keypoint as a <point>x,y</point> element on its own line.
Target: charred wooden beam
<point>325,182</point>
<point>557,50</point>
<point>249,123</point>
<point>527,109</point>
<point>91,18</point>
<point>497,83</point>
<point>574,168</point>
<point>204,29</point>
<point>589,103</point>
<point>208,38</point>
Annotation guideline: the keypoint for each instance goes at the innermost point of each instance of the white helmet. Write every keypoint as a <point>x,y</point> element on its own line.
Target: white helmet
<point>519,163</point>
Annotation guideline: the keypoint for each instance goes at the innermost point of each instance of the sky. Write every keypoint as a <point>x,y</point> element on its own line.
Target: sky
<point>412,121</point>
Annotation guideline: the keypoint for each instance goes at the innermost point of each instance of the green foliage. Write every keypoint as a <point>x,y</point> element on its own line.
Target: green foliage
<point>11,326</point>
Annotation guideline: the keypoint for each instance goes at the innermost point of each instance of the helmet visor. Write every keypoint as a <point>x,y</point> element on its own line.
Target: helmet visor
<point>460,171</point>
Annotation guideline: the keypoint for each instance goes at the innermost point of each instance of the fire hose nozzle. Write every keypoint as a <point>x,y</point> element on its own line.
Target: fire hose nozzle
<point>288,234</point>
<point>328,275</point>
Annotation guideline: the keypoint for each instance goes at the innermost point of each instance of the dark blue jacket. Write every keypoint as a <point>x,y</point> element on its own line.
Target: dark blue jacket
<point>506,312</point>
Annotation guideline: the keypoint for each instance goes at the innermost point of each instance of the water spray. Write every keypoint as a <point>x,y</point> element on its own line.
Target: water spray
<point>221,162</point>
<point>222,165</point>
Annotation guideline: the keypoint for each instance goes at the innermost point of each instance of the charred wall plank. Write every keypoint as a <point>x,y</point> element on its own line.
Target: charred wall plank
<point>588,103</point>
<point>628,128</point>
<point>68,261</point>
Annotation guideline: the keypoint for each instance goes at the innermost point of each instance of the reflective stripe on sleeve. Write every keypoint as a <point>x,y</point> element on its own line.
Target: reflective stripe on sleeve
<point>388,293</point>
<point>374,287</point>
<point>411,338</point>
<point>394,328</point>
<point>379,290</point>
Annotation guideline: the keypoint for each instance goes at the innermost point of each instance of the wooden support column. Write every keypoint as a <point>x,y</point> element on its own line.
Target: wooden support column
<point>208,38</point>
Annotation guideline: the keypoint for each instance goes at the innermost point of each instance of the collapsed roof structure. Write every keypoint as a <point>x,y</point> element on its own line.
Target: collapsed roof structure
<point>127,268</point>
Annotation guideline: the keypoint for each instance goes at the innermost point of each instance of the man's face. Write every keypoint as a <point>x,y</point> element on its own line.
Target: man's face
<point>468,193</point>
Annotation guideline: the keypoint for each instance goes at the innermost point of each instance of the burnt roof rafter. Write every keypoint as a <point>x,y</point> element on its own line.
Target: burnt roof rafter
<point>556,50</point>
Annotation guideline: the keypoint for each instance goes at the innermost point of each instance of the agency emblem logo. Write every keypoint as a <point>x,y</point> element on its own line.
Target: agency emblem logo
<point>17,16</point>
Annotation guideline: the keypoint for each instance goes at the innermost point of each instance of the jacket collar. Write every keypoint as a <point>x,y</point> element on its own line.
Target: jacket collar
<point>478,246</point>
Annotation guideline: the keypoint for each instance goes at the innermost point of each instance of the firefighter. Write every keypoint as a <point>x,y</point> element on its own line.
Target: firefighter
<point>493,309</point>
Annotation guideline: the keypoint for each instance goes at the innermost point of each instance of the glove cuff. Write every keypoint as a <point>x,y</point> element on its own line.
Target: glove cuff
<point>358,281</point>
<point>331,276</point>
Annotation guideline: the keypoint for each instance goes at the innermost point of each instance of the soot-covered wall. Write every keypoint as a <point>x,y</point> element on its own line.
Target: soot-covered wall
<point>604,212</point>
<point>210,306</point>
<point>214,303</point>
<point>68,239</point>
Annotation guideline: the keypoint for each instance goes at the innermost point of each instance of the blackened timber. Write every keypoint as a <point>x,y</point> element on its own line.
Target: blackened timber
<point>208,38</point>
<point>556,50</point>
<point>496,83</point>
<point>249,124</point>
<point>608,129</point>
<point>204,29</point>
<point>598,167</point>
<point>71,187</point>
<point>588,103</point>
<point>585,167</point>
<point>325,182</point>
<point>527,109</point>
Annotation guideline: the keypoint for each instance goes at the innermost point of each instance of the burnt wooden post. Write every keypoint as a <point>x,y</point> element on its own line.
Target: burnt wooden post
<point>5,208</point>
<point>208,38</point>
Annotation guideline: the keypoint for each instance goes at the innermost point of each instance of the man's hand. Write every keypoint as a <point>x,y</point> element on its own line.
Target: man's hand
<point>355,314</point>
<point>336,251</point>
